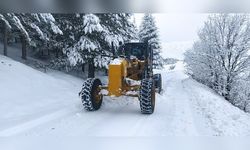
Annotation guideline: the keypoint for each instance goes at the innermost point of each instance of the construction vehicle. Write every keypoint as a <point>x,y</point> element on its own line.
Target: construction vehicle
<point>129,74</point>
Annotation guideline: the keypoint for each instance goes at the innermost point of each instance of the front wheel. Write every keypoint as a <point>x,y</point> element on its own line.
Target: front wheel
<point>90,94</point>
<point>147,96</point>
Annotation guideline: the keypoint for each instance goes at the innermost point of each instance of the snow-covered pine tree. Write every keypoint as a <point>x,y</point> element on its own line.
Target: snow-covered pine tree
<point>34,30</point>
<point>19,31</point>
<point>117,27</point>
<point>67,23</point>
<point>88,37</point>
<point>149,32</point>
<point>82,32</point>
<point>41,28</point>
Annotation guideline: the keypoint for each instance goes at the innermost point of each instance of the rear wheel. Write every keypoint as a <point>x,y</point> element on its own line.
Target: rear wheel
<point>158,82</point>
<point>147,96</point>
<point>90,94</point>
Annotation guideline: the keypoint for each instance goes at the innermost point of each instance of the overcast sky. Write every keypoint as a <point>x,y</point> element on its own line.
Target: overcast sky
<point>177,27</point>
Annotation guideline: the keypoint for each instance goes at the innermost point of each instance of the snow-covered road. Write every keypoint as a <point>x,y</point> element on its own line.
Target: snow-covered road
<point>37,104</point>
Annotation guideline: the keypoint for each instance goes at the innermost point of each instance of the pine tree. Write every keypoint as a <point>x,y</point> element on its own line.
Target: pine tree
<point>19,31</point>
<point>116,28</point>
<point>149,33</point>
<point>88,37</point>
<point>34,30</point>
<point>80,40</point>
<point>41,29</point>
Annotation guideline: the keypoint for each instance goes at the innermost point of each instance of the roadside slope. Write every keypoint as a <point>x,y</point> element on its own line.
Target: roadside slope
<point>27,94</point>
<point>34,103</point>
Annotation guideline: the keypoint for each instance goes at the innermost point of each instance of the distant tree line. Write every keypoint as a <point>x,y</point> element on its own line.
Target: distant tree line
<point>169,61</point>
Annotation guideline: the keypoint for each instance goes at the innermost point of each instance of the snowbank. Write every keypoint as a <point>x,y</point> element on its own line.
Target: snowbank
<point>224,118</point>
<point>28,94</point>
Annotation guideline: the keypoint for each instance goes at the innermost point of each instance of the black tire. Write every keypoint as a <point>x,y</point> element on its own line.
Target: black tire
<point>158,82</point>
<point>147,96</point>
<point>91,99</point>
<point>144,73</point>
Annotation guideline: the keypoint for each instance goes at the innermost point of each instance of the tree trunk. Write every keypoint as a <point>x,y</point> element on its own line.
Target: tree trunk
<point>24,48</point>
<point>83,67</point>
<point>91,71</point>
<point>57,53</point>
<point>5,40</point>
<point>48,48</point>
<point>48,52</point>
<point>228,88</point>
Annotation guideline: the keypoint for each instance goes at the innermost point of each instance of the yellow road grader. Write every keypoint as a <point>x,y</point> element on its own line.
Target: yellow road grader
<point>129,74</point>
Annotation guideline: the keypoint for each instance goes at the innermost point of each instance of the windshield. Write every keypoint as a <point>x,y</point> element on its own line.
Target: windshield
<point>132,50</point>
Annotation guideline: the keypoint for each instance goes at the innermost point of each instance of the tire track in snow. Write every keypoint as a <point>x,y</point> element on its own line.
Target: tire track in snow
<point>86,123</point>
<point>35,122</point>
<point>182,123</point>
<point>174,115</point>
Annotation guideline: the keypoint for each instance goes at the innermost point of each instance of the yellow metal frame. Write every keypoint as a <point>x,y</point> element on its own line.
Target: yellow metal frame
<point>117,74</point>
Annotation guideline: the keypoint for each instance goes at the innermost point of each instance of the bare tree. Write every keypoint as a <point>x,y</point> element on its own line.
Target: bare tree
<point>220,58</point>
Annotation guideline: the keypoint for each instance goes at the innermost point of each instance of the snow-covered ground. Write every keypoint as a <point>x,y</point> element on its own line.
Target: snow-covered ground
<point>34,103</point>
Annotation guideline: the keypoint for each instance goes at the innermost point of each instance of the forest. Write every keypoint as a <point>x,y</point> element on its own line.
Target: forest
<point>76,42</point>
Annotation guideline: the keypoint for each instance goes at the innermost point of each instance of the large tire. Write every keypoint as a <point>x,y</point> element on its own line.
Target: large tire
<point>90,94</point>
<point>158,82</point>
<point>147,96</point>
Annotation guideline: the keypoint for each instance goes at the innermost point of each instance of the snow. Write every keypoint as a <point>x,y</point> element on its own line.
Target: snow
<point>134,41</point>
<point>131,93</point>
<point>91,24</point>
<point>225,119</point>
<point>86,43</point>
<point>223,66</point>
<point>111,38</point>
<point>27,95</point>
<point>36,17</point>
<point>47,104</point>
<point>104,92</point>
<point>5,21</point>
<point>48,18</point>
<point>55,29</point>
<point>40,33</point>
<point>21,28</point>
<point>133,57</point>
<point>132,82</point>
<point>116,61</point>
<point>73,56</point>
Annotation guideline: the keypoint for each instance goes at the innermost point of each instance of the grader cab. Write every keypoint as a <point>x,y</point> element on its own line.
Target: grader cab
<point>129,74</point>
